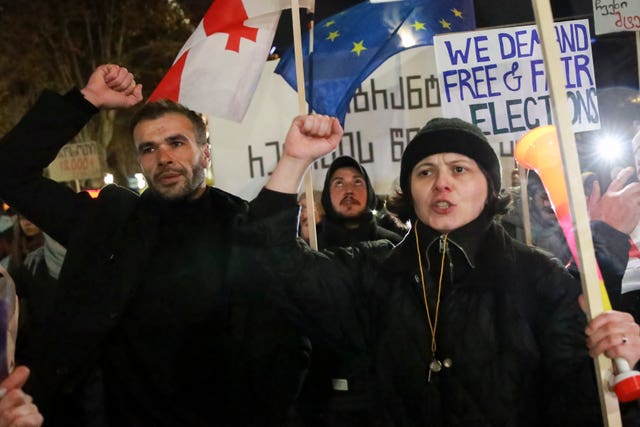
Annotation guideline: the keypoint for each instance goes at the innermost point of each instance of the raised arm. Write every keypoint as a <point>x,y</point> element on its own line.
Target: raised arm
<point>35,141</point>
<point>309,137</point>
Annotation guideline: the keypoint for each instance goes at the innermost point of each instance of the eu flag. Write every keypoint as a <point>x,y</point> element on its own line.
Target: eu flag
<point>350,45</point>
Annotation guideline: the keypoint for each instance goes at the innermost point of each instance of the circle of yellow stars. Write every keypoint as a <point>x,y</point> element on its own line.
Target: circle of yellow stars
<point>359,47</point>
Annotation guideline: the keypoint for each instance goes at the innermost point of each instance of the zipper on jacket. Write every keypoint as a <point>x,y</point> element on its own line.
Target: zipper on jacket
<point>441,249</point>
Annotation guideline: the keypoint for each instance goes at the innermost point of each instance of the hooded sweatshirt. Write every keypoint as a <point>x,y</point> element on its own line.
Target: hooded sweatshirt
<point>333,231</point>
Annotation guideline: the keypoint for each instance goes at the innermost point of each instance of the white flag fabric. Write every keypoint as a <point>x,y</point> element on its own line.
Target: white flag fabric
<point>217,70</point>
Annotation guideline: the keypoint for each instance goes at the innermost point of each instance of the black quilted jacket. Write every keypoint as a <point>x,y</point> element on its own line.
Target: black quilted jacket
<point>509,322</point>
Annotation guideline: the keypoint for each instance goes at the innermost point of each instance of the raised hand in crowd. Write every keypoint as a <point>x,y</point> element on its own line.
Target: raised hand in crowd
<point>16,407</point>
<point>309,137</point>
<point>112,86</point>
<point>619,206</point>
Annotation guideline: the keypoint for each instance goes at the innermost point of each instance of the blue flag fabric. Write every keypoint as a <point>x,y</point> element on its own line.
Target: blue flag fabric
<point>350,45</point>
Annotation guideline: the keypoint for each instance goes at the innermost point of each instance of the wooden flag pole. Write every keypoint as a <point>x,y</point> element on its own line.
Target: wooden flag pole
<point>638,54</point>
<point>577,201</point>
<point>303,109</point>
<point>297,55</point>
<point>524,203</point>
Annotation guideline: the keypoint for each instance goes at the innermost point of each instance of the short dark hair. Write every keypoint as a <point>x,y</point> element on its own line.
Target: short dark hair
<point>156,109</point>
<point>498,202</point>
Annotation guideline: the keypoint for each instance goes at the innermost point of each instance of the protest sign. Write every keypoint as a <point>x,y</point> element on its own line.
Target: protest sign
<point>76,162</point>
<point>496,79</point>
<point>610,16</point>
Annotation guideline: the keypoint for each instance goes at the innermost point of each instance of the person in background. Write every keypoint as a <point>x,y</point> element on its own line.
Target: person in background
<point>614,217</point>
<point>36,283</point>
<point>147,296</point>
<point>613,214</point>
<point>304,215</point>
<point>388,220</point>
<point>16,407</point>
<point>545,229</point>
<point>349,202</point>
<point>332,394</point>
<point>6,239</point>
<point>27,237</point>
<point>458,325</point>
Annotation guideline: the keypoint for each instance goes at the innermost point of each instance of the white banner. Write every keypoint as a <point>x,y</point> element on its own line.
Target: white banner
<point>496,79</point>
<point>610,16</point>
<point>387,111</point>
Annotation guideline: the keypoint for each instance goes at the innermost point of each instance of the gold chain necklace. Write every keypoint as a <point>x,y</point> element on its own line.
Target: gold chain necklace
<point>435,365</point>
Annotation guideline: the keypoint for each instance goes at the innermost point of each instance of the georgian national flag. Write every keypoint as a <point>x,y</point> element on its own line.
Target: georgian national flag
<point>217,70</point>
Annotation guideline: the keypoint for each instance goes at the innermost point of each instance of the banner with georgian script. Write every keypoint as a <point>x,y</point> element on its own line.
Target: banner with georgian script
<point>385,113</point>
<point>496,79</point>
<point>77,161</point>
<point>611,16</point>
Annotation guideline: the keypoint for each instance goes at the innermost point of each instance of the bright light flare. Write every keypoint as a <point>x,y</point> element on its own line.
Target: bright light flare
<point>142,183</point>
<point>609,148</point>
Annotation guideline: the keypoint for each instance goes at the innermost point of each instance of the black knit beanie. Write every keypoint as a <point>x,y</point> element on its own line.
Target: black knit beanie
<point>442,135</point>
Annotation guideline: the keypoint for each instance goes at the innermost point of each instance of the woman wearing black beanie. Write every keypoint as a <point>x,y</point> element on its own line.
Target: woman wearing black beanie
<point>458,325</point>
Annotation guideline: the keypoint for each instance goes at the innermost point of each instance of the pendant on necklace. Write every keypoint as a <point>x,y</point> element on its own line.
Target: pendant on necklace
<point>434,366</point>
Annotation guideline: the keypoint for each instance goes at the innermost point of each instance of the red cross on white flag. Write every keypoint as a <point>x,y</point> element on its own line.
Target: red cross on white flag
<point>217,70</point>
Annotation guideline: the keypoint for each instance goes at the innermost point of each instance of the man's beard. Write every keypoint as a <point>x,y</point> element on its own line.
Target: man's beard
<point>186,187</point>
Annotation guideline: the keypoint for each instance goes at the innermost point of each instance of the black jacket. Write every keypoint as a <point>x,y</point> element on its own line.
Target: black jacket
<point>611,250</point>
<point>333,234</point>
<point>509,322</point>
<point>236,354</point>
